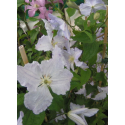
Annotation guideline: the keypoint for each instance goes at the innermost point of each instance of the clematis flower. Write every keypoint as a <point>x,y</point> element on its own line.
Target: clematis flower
<point>83,91</point>
<point>44,13</point>
<point>34,6</point>
<point>71,57</point>
<point>19,121</point>
<point>60,25</point>
<point>78,112</point>
<point>60,117</point>
<point>47,43</point>
<point>103,92</point>
<point>38,77</point>
<point>91,6</point>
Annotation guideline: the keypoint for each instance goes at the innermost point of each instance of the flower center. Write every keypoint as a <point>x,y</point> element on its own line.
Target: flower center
<point>71,59</point>
<point>36,5</point>
<point>54,43</point>
<point>45,80</point>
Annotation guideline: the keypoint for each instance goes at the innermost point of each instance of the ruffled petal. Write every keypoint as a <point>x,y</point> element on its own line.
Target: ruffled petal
<point>44,43</point>
<point>29,75</point>
<point>61,82</point>
<point>39,100</point>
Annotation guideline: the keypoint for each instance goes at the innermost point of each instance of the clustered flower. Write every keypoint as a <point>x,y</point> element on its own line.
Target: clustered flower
<point>55,73</point>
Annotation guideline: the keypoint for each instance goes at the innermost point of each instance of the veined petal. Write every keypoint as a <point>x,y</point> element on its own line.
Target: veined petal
<point>44,43</point>
<point>38,100</point>
<point>85,9</point>
<point>77,119</point>
<point>29,75</point>
<point>19,121</point>
<point>90,112</point>
<point>61,82</point>
<point>84,119</point>
<point>79,110</point>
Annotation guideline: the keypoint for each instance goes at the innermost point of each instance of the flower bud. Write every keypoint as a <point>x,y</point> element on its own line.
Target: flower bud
<point>72,5</point>
<point>96,16</point>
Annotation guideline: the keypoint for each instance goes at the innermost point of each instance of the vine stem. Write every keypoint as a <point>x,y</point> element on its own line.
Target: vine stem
<point>105,42</point>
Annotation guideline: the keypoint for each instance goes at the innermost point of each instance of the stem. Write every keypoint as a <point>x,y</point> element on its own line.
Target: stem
<point>100,35</point>
<point>18,39</point>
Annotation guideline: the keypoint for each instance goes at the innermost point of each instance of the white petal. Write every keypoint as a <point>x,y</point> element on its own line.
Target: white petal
<point>82,91</point>
<point>44,43</point>
<point>74,106</point>
<point>38,100</point>
<point>61,82</point>
<point>60,117</point>
<point>84,119</point>
<point>90,112</point>
<point>100,96</point>
<point>72,66</point>
<point>77,119</point>
<point>77,53</point>
<point>29,75</point>
<point>19,121</point>
<point>84,66</point>
<point>85,9</point>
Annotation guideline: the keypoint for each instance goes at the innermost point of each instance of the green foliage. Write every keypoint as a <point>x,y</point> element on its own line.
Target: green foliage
<point>33,19</point>
<point>57,102</point>
<point>29,117</point>
<point>71,11</point>
<point>90,50</point>
<point>33,35</point>
<point>85,75</point>
<point>80,22</point>
<point>20,2</point>
<point>70,122</point>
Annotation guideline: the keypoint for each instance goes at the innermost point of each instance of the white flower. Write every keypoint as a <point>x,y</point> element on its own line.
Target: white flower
<point>47,43</point>
<point>83,91</point>
<point>60,117</point>
<point>91,6</point>
<point>99,34</point>
<point>103,92</point>
<point>38,77</point>
<point>78,112</point>
<point>71,57</point>
<point>60,25</point>
<point>19,121</point>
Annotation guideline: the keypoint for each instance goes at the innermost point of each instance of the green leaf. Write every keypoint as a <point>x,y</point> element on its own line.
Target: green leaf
<point>75,84</point>
<point>101,77</point>
<point>85,75</point>
<point>20,2</point>
<point>92,60</point>
<point>71,11</point>
<point>29,117</point>
<point>90,88</point>
<point>33,19</point>
<point>33,35</point>
<point>79,22</point>
<point>55,33</point>
<point>90,50</point>
<point>43,30</point>
<point>82,37</point>
<point>57,102</point>
<point>20,99</point>
<point>70,122</point>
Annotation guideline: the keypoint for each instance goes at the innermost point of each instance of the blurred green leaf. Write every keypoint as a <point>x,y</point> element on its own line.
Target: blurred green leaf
<point>71,11</point>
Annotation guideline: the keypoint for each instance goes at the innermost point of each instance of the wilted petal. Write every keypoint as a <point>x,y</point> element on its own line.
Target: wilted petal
<point>44,44</point>
<point>38,100</point>
<point>61,82</point>
<point>19,121</point>
<point>29,75</point>
<point>77,119</point>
